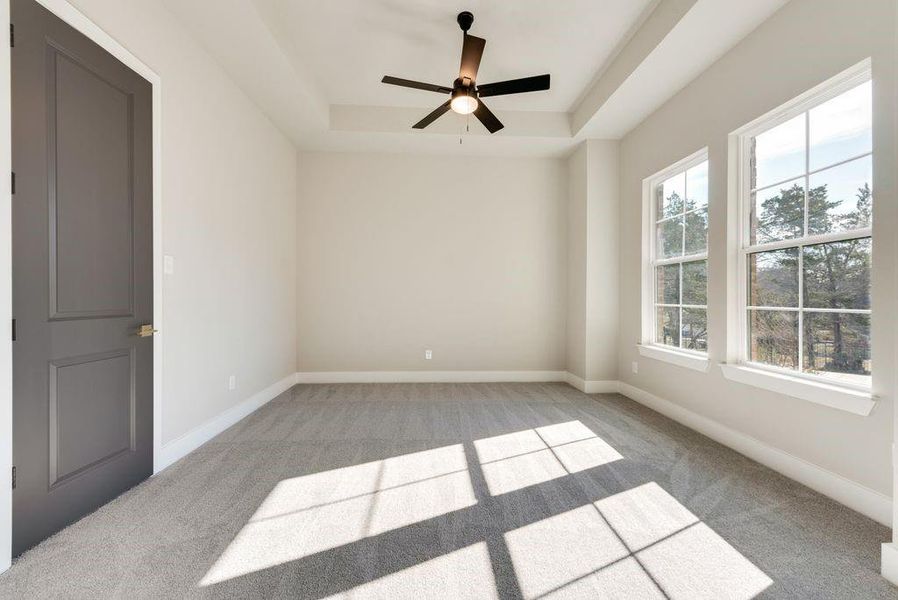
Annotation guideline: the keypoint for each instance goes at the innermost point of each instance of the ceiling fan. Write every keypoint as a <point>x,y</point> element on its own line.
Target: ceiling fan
<point>465,93</point>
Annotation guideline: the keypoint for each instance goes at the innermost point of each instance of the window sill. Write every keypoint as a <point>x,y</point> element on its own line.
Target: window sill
<point>696,362</point>
<point>854,401</point>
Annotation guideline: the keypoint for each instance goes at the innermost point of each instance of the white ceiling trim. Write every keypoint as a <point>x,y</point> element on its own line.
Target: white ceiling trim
<point>654,28</point>
<point>387,119</point>
<point>690,46</point>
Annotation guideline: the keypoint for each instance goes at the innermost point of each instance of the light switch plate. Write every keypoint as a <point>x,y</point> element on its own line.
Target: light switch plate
<point>168,264</point>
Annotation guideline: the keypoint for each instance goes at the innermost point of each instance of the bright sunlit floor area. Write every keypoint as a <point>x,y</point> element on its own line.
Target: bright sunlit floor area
<point>514,490</point>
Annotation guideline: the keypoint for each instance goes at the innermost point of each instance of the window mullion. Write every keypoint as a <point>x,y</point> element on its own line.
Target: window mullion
<point>653,207</point>
<point>746,181</point>
<point>805,235</point>
<point>824,238</point>
<point>838,164</point>
<point>680,299</point>
<point>807,167</point>
<point>845,311</point>
<point>809,172</point>
<point>801,310</point>
<point>682,259</point>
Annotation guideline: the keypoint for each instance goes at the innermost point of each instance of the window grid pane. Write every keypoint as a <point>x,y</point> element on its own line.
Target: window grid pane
<point>773,338</point>
<point>824,329</point>
<point>837,344</point>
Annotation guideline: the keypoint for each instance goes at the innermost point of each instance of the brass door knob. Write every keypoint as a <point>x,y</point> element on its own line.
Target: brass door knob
<point>146,330</point>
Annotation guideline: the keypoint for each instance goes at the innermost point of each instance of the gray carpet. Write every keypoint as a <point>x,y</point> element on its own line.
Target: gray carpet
<point>460,491</point>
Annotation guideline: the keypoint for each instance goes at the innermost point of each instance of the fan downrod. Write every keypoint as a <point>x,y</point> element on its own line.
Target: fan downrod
<point>465,19</point>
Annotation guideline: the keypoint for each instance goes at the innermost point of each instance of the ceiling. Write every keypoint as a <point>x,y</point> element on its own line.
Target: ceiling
<point>348,45</point>
<point>314,66</point>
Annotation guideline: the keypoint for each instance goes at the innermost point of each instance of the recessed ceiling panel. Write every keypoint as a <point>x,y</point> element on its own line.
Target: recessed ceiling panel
<point>348,45</point>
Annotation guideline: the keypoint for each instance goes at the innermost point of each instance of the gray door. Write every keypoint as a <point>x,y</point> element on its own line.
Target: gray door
<point>82,275</point>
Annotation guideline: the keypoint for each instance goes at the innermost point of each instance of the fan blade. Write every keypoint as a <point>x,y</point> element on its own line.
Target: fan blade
<point>487,117</point>
<point>471,53</point>
<point>429,87</point>
<point>514,86</point>
<point>439,112</point>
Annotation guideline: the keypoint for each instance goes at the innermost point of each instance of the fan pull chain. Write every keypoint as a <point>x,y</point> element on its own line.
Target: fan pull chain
<point>467,126</point>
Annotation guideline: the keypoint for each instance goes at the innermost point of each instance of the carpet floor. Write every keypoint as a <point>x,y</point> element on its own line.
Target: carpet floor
<point>513,490</point>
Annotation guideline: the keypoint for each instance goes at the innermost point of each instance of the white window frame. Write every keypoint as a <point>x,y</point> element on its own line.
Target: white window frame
<point>684,357</point>
<point>816,388</point>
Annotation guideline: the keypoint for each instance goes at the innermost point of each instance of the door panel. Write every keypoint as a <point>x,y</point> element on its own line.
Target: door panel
<point>89,421</point>
<point>90,183</point>
<point>82,275</point>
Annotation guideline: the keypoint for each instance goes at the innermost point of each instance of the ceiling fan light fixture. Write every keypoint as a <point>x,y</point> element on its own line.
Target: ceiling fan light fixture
<point>463,102</point>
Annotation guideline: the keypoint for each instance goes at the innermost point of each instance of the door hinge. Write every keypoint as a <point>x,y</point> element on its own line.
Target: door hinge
<point>12,35</point>
<point>13,185</point>
<point>13,478</point>
<point>13,330</point>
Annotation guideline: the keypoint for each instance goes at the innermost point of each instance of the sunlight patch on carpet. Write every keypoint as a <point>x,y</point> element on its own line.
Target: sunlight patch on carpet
<point>314,513</point>
<point>561,549</point>
<point>638,543</point>
<point>518,460</point>
<point>464,574</point>
<point>698,563</point>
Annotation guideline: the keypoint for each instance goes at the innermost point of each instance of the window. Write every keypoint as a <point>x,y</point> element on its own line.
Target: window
<point>675,263</point>
<point>805,239</point>
<point>676,273</point>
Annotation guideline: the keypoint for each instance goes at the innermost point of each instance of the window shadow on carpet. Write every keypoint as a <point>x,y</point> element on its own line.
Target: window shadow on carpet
<point>546,512</point>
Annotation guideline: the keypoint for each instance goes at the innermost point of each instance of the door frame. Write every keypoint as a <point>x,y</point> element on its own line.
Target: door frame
<point>76,19</point>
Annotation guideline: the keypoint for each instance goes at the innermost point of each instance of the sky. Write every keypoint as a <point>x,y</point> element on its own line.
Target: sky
<point>839,129</point>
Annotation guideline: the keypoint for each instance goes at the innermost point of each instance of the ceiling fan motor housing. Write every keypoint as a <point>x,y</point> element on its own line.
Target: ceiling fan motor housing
<point>462,83</point>
<point>465,19</point>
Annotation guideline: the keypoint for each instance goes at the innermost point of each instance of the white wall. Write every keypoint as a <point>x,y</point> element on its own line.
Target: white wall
<point>805,43</point>
<point>228,220</point>
<point>578,184</point>
<point>462,255</point>
<point>592,294</point>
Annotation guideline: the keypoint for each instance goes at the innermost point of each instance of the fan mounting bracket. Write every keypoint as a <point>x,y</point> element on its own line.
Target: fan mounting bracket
<point>465,19</point>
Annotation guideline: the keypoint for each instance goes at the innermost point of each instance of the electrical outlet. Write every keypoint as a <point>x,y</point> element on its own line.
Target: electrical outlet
<point>168,264</point>
<point>428,354</point>
<point>232,382</point>
<point>635,367</point>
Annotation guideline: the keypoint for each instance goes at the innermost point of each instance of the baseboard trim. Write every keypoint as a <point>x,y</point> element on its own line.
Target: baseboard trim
<point>588,387</point>
<point>429,376</point>
<point>591,387</point>
<point>889,568</point>
<point>855,496</point>
<point>196,437</point>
